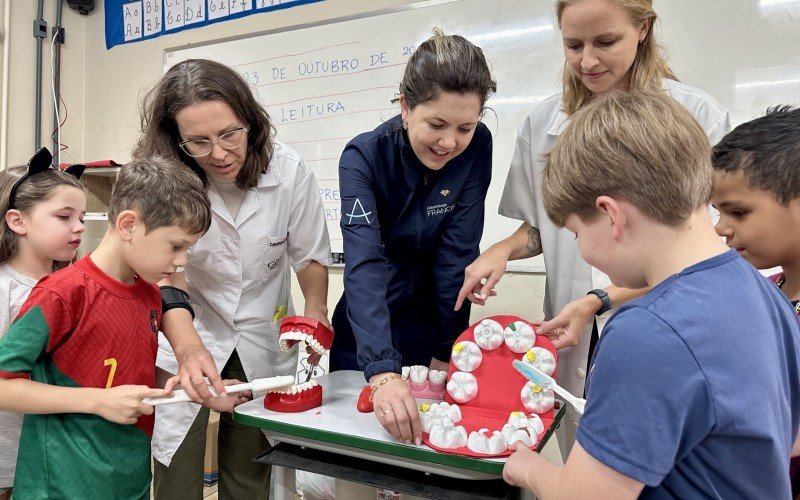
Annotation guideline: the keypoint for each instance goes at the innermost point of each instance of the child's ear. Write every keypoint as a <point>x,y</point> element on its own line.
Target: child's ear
<point>125,223</point>
<point>615,212</point>
<point>16,222</point>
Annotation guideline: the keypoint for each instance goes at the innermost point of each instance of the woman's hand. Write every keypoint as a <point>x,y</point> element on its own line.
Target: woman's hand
<point>319,313</point>
<point>396,408</point>
<point>227,403</point>
<point>566,328</point>
<point>482,275</point>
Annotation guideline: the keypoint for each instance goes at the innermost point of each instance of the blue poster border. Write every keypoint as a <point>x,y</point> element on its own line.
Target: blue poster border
<point>115,23</point>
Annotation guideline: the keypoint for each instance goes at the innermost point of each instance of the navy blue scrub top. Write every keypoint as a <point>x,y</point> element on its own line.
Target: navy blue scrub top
<point>409,233</point>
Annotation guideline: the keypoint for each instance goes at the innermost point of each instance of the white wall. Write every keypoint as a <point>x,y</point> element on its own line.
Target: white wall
<point>102,89</point>
<point>19,131</point>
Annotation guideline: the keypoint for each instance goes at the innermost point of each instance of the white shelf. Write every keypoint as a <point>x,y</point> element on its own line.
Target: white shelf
<point>102,171</point>
<point>95,216</point>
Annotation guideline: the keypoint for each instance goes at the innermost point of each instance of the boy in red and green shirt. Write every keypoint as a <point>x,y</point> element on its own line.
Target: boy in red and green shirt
<point>81,355</point>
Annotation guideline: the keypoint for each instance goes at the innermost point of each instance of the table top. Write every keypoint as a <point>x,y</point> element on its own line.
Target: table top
<point>337,426</point>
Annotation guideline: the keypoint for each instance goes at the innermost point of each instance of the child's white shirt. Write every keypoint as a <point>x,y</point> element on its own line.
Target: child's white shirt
<point>14,290</point>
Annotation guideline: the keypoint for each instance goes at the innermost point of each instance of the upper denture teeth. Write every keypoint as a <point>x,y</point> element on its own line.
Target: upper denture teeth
<point>405,371</point>
<point>418,374</point>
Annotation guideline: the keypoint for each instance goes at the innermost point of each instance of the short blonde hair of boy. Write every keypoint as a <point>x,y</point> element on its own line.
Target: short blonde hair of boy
<point>164,193</point>
<point>641,146</point>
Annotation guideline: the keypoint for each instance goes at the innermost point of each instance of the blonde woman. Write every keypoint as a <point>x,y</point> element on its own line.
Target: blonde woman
<point>608,44</point>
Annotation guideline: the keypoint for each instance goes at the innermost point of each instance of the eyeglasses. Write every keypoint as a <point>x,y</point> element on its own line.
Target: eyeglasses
<point>203,147</point>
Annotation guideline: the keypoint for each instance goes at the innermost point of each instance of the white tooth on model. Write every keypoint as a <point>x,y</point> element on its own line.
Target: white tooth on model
<point>518,420</point>
<point>448,436</point>
<point>511,435</point>
<point>519,337</point>
<point>462,387</point>
<point>488,334</point>
<point>429,420</point>
<point>535,399</point>
<point>405,371</point>
<point>451,411</point>
<point>466,356</point>
<point>437,377</point>
<point>443,409</point>
<point>542,359</point>
<point>418,374</point>
<point>535,424</point>
<point>493,444</point>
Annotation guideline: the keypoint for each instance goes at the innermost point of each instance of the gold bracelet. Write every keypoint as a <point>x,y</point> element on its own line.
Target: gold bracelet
<point>382,381</point>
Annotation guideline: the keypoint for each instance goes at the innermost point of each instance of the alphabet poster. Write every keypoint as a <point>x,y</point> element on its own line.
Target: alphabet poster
<point>135,20</point>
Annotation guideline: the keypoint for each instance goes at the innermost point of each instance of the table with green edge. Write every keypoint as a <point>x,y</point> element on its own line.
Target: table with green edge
<point>339,429</point>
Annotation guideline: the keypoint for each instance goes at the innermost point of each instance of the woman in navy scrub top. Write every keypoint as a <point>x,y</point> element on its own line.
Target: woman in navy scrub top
<point>413,194</point>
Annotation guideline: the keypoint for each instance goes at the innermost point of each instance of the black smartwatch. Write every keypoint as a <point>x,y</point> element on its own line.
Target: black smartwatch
<point>604,298</point>
<point>174,298</point>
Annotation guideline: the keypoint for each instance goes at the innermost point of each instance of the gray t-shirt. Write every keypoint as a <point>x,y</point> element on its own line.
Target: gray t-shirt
<point>14,290</point>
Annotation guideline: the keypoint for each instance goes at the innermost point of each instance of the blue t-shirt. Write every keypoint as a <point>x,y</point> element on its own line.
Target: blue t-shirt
<point>694,388</point>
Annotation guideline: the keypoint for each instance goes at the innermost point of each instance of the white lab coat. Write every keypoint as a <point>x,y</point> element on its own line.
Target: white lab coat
<point>238,277</point>
<point>569,277</point>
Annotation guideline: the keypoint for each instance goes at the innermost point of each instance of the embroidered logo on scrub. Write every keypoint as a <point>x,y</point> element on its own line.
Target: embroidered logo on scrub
<point>359,213</point>
<point>280,313</point>
<point>440,209</point>
<point>278,243</point>
<point>444,192</point>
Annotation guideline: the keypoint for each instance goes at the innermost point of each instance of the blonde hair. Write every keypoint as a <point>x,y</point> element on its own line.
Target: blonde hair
<point>641,146</point>
<point>649,67</point>
<point>33,190</point>
<point>164,193</point>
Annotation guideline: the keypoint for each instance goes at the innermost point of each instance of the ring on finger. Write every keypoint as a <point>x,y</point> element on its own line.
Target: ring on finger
<point>387,411</point>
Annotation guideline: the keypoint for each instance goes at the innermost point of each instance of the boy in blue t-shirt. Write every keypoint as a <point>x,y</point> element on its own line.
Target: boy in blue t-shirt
<point>694,389</point>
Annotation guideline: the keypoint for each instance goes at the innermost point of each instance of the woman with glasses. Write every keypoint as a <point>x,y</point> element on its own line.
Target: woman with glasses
<point>267,216</point>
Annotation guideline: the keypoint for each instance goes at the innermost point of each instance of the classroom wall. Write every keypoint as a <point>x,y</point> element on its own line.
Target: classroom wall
<point>18,132</point>
<point>105,123</point>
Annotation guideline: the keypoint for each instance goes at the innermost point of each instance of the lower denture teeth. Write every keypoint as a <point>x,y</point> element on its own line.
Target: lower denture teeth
<point>418,374</point>
<point>437,377</point>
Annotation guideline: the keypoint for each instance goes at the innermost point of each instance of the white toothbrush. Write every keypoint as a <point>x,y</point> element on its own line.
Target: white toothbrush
<point>545,381</point>
<point>257,385</point>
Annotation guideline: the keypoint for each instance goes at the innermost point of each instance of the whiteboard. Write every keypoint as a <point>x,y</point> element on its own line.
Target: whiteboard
<point>324,84</point>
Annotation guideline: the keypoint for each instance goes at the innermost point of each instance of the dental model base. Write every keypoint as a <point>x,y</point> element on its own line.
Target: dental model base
<point>257,385</point>
<point>497,405</point>
<point>306,394</point>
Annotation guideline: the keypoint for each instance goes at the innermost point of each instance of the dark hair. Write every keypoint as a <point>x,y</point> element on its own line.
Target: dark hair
<point>195,81</point>
<point>448,63</point>
<point>164,193</point>
<point>35,189</point>
<point>767,151</point>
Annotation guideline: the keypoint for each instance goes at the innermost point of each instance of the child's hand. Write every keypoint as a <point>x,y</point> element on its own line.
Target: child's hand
<point>123,404</point>
<point>515,472</point>
<point>227,403</point>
